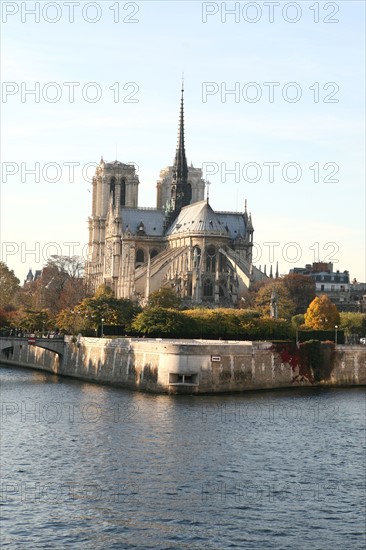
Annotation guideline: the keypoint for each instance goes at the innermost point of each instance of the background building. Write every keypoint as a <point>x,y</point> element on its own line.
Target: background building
<point>335,284</point>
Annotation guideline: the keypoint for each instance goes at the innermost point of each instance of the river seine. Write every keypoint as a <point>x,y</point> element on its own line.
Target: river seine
<point>89,466</point>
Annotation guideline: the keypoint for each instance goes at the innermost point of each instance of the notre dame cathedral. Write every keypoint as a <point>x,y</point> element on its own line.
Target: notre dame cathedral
<point>183,244</point>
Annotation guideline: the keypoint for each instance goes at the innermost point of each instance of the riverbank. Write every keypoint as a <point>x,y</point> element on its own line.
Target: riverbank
<point>188,366</point>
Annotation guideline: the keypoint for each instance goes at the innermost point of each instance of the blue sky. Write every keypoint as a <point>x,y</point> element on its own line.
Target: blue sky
<point>233,132</point>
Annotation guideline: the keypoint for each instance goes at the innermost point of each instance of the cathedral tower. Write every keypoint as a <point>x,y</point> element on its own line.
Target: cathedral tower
<point>114,184</point>
<point>180,184</point>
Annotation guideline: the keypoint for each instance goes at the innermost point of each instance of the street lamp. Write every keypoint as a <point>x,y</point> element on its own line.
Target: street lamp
<point>102,335</point>
<point>336,328</point>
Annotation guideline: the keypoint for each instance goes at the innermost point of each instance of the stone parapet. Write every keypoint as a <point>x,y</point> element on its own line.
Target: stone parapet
<point>185,366</point>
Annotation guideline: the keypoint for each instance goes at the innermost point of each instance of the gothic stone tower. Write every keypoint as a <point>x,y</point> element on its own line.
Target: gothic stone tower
<point>116,183</point>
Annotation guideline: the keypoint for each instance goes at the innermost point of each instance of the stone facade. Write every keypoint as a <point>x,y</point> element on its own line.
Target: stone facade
<point>205,256</point>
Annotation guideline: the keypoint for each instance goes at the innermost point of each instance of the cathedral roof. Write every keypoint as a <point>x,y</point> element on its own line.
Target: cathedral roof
<point>151,218</point>
<point>234,221</point>
<point>197,218</point>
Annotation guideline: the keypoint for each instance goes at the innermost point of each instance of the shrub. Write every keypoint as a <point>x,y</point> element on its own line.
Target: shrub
<point>160,322</point>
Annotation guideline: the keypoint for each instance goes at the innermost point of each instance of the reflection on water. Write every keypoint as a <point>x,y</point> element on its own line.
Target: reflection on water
<point>89,466</point>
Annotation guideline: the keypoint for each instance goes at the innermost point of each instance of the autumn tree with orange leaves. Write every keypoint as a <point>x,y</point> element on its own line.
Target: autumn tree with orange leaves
<point>322,314</point>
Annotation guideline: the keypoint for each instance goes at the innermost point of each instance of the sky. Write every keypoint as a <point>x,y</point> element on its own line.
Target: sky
<point>274,114</point>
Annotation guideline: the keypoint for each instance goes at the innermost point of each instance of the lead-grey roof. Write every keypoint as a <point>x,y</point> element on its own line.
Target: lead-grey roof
<point>235,223</point>
<point>152,219</point>
<point>197,218</point>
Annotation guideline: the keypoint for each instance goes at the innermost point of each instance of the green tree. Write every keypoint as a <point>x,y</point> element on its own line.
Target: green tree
<point>87,316</point>
<point>297,320</point>
<point>6,317</point>
<point>286,305</point>
<point>32,320</point>
<point>104,291</point>
<point>301,291</point>
<point>113,311</point>
<point>9,285</point>
<point>322,314</point>
<point>164,297</point>
<point>353,324</point>
<point>70,322</point>
<point>159,322</point>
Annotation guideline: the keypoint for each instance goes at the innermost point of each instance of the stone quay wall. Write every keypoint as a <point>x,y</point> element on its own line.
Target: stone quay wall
<point>178,366</point>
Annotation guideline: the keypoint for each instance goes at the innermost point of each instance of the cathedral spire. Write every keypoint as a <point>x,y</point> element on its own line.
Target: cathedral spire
<point>180,168</point>
<point>181,192</point>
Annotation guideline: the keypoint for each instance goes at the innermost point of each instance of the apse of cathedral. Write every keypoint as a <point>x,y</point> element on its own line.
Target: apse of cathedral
<point>182,244</point>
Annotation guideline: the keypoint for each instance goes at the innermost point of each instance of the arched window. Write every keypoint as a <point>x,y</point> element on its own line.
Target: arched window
<point>153,253</point>
<point>210,259</point>
<point>189,288</point>
<point>123,192</point>
<point>140,257</point>
<point>222,263</point>
<point>207,288</point>
<point>112,188</point>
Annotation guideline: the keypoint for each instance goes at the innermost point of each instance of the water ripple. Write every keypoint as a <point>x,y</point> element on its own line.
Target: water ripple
<point>92,467</point>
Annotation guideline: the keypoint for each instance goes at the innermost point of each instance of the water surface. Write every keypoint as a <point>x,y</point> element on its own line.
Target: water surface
<point>89,466</point>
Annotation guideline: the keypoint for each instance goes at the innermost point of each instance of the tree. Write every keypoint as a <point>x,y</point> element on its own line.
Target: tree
<point>353,324</point>
<point>113,311</point>
<point>285,304</point>
<point>70,322</point>
<point>247,297</point>
<point>72,266</point>
<point>32,320</point>
<point>6,318</point>
<point>104,291</point>
<point>62,282</point>
<point>60,285</point>
<point>158,322</point>
<point>164,297</point>
<point>322,314</point>
<point>301,290</point>
<point>297,320</point>
<point>9,285</point>
<point>87,316</point>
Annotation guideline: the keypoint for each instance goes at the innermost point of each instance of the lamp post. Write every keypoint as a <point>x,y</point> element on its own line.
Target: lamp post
<point>336,329</point>
<point>96,326</point>
<point>102,335</point>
